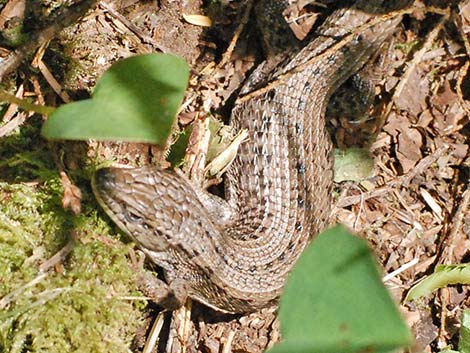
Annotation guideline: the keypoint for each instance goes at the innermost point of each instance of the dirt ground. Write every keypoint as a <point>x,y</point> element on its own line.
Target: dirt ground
<point>414,211</point>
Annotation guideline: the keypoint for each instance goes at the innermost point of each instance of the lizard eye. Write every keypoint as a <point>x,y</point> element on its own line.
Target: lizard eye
<point>133,218</point>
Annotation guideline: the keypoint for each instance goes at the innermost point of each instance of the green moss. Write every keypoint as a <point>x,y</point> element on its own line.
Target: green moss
<point>24,155</point>
<point>407,47</point>
<point>78,305</point>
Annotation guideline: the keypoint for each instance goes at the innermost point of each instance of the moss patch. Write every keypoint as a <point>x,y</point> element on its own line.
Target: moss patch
<point>84,302</point>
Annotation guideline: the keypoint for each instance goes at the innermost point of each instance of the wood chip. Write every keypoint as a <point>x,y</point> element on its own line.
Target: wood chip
<point>432,203</point>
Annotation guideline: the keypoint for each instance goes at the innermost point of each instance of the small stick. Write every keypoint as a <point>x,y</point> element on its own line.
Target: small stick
<point>69,17</point>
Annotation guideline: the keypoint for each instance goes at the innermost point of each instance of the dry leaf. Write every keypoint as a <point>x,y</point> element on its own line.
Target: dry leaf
<point>299,21</point>
<point>465,14</point>
<point>72,194</point>
<point>408,141</point>
<point>13,8</point>
<point>415,93</point>
<point>198,20</point>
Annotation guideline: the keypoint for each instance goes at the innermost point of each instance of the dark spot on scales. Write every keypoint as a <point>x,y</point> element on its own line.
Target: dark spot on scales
<point>271,93</point>
<point>266,125</point>
<point>332,59</point>
<point>300,168</point>
<point>359,38</point>
<point>209,270</point>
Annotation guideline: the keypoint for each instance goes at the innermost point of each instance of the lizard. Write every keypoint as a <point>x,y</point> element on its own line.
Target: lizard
<point>235,254</point>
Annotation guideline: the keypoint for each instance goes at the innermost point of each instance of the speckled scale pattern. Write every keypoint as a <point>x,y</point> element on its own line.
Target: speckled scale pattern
<point>278,187</point>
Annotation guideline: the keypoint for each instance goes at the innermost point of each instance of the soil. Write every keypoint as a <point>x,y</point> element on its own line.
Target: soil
<point>415,207</point>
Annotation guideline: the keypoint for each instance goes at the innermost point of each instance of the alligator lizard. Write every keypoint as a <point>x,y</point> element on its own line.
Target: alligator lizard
<point>235,255</point>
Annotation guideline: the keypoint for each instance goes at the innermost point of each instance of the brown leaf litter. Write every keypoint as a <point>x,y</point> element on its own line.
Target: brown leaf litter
<point>414,212</point>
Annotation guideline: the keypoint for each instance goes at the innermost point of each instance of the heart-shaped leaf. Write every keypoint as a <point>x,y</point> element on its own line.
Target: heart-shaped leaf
<point>334,301</point>
<point>135,100</point>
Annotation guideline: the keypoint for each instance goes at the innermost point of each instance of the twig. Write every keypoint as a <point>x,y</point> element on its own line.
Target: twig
<point>7,299</point>
<point>67,18</point>
<point>228,53</point>
<point>228,343</point>
<point>446,246</point>
<point>132,27</point>
<point>47,74</point>
<point>18,120</point>
<point>179,329</point>
<point>13,108</point>
<point>58,256</point>
<point>399,270</point>
<point>153,336</point>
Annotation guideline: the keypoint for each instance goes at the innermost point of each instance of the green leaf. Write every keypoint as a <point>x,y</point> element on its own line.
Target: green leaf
<point>464,336</point>
<point>354,164</point>
<point>334,301</point>
<point>464,339</point>
<point>443,276</point>
<point>135,100</point>
<point>178,149</point>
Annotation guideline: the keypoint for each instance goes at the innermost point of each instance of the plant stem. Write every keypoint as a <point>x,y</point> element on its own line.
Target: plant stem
<point>24,104</point>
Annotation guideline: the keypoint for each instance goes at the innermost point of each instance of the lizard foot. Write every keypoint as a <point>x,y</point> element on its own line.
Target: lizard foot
<point>170,296</point>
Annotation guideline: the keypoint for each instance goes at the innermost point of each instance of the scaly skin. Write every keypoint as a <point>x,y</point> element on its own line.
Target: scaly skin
<point>278,187</point>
